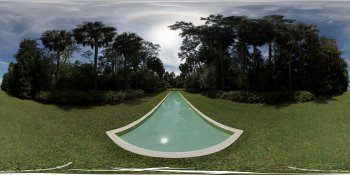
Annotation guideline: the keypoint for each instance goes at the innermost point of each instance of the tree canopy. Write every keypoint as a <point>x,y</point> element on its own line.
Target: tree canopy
<point>58,41</point>
<point>96,35</point>
<point>271,53</point>
<point>126,61</point>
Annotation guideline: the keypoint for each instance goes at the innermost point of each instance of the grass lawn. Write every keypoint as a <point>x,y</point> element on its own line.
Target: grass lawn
<point>314,135</point>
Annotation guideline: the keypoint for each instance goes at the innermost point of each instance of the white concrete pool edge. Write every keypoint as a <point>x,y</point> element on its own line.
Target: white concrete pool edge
<point>151,153</point>
<point>237,132</point>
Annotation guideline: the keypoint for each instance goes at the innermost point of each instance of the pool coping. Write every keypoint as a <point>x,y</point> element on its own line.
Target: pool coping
<point>162,154</point>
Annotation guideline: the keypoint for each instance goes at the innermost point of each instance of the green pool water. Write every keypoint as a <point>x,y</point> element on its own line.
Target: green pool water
<point>174,127</point>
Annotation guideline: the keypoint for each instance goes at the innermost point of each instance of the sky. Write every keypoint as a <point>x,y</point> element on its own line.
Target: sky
<point>150,19</point>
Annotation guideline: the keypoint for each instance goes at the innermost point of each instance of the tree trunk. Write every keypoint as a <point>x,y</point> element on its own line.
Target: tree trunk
<point>136,77</point>
<point>222,68</point>
<point>255,63</point>
<point>124,63</point>
<point>243,56</point>
<point>57,68</point>
<point>95,66</point>
<point>270,54</point>
<point>114,61</point>
<point>290,71</point>
<point>113,67</point>
<point>136,81</point>
<point>199,66</point>
<point>274,65</point>
<point>270,65</point>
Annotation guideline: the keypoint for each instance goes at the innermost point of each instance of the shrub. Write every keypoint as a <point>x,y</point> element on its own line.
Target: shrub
<point>72,97</point>
<point>267,97</point>
<point>5,82</point>
<point>302,96</point>
<point>213,93</point>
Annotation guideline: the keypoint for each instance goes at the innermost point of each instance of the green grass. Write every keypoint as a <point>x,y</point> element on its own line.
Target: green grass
<point>313,135</point>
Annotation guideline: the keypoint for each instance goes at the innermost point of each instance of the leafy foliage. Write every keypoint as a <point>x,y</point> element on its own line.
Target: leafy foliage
<point>267,97</point>
<point>31,72</point>
<point>250,58</point>
<point>74,97</point>
<point>96,35</point>
<point>126,62</point>
<point>227,53</point>
<point>58,41</point>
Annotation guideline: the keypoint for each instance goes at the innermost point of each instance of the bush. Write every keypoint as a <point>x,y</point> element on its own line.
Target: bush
<point>267,97</point>
<point>73,97</point>
<point>5,82</point>
<point>302,96</point>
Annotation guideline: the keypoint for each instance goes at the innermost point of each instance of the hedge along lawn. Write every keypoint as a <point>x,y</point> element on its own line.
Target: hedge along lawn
<point>314,135</point>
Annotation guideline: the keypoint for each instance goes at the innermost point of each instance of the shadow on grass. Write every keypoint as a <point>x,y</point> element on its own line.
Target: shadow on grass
<point>279,105</point>
<point>324,100</point>
<point>318,100</point>
<point>134,102</point>
<point>70,107</point>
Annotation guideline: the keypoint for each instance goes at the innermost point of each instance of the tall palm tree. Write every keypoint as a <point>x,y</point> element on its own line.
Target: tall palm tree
<point>58,41</point>
<point>96,35</point>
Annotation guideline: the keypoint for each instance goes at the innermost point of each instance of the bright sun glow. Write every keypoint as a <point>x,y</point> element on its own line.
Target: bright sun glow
<point>164,140</point>
<point>166,37</point>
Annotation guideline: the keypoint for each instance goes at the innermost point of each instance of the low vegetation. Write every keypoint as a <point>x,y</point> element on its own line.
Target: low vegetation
<point>263,97</point>
<point>87,97</point>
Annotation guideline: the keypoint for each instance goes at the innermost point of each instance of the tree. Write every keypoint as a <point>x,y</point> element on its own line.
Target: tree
<point>149,56</point>
<point>185,69</point>
<point>129,45</point>
<point>58,41</point>
<point>190,46</point>
<point>274,23</point>
<point>112,57</point>
<point>7,78</point>
<point>96,35</point>
<point>149,50</point>
<point>230,52</point>
<point>207,43</point>
<point>155,64</point>
<point>169,77</point>
<point>327,70</point>
<point>217,37</point>
<point>67,54</point>
<point>30,74</point>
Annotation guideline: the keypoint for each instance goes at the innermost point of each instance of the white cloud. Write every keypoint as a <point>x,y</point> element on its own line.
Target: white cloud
<point>319,7</point>
<point>5,63</point>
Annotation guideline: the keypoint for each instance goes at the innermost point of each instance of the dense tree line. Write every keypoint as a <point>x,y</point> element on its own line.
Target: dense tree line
<point>120,62</point>
<point>31,72</point>
<point>271,53</point>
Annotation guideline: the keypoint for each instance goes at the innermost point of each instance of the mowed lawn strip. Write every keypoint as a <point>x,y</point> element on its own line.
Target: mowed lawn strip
<point>313,135</point>
<point>34,135</point>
